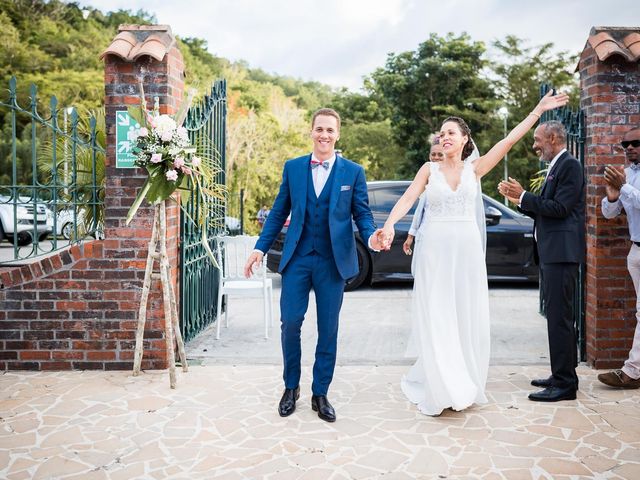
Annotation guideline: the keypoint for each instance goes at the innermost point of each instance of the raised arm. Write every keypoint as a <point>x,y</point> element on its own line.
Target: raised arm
<point>549,102</point>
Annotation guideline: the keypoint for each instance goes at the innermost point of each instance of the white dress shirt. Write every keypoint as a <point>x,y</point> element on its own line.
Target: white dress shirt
<point>321,174</point>
<point>629,200</point>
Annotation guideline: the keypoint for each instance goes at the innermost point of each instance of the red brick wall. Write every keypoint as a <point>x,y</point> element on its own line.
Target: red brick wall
<point>611,103</point>
<point>78,309</point>
<point>74,310</point>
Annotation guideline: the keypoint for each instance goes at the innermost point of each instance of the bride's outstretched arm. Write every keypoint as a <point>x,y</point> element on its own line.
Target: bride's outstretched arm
<point>549,102</point>
<point>405,202</point>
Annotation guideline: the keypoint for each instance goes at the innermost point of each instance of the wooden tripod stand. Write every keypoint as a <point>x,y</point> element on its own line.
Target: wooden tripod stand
<point>159,233</point>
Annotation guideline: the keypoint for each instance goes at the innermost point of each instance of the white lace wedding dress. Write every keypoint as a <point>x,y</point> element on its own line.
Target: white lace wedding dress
<point>450,304</point>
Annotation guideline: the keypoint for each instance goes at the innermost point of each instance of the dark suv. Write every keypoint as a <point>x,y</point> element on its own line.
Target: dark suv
<point>509,242</point>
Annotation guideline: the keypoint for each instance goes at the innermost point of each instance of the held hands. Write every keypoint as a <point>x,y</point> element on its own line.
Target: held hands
<point>511,189</point>
<point>386,235</point>
<point>254,259</point>
<point>380,240</point>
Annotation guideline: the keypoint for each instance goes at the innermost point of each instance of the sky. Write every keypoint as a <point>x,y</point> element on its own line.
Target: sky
<point>339,42</point>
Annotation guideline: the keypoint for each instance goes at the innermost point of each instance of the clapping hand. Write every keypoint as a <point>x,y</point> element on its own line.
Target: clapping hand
<point>511,189</point>
<point>615,178</point>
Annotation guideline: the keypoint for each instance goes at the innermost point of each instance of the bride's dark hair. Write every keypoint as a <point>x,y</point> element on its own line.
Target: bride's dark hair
<point>464,128</point>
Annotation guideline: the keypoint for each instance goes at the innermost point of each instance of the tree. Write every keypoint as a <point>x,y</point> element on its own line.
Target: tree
<point>519,72</point>
<point>442,77</point>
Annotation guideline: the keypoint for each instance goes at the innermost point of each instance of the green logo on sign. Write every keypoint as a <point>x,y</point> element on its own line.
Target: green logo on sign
<point>126,133</point>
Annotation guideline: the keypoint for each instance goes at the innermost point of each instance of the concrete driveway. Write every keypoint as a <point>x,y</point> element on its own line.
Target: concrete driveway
<point>375,326</point>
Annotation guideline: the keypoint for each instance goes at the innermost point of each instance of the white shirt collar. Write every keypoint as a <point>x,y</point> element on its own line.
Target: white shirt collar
<point>555,159</point>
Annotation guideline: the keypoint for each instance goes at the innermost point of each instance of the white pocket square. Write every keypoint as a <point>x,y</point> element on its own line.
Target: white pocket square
<point>344,188</point>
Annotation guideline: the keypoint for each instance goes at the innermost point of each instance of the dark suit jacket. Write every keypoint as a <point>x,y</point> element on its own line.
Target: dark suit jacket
<point>559,213</point>
<point>348,200</point>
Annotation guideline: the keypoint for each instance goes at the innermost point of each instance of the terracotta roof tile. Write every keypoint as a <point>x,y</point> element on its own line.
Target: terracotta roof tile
<point>121,45</point>
<point>632,42</point>
<point>620,41</point>
<point>135,41</point>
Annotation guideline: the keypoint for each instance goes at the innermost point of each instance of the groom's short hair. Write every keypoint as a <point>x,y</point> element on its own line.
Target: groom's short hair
<point>330,112</point>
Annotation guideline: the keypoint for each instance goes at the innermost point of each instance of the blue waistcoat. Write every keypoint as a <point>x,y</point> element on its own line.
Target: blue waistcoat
<point>315,232</point>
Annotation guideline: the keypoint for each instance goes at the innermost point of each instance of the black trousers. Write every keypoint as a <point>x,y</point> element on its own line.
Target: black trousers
<point>558,286</point>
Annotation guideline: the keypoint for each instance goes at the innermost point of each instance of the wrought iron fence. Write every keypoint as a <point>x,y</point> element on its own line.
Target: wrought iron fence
<point>199,279</point>
<point>51,176</point>
<point>574,123</point>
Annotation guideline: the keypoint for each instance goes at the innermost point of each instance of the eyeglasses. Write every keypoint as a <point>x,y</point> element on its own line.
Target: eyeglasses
<point>633,143</point>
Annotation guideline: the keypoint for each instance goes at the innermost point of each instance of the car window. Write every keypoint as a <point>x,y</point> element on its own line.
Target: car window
<point>383,199</point>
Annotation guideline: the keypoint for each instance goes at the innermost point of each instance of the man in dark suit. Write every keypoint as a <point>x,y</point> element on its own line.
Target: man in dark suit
<point>323,192</point>
<point>560,246</point>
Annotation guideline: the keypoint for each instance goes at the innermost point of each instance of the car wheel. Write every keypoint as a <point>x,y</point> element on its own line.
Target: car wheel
<point>364,269</point>
<point>24,239</point>
<point>67,230</point>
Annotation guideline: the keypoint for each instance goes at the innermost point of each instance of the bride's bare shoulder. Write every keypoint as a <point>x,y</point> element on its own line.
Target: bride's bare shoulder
<point>425,170</point>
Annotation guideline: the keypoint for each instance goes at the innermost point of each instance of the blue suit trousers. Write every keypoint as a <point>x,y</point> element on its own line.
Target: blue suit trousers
<point>303,273</point>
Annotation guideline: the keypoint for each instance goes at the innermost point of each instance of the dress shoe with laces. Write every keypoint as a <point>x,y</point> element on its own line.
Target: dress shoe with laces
<point>320,404</point>
<point>619,379</point>
<point>553,394</point>
<point>542,382</point>
<point>288,401</point>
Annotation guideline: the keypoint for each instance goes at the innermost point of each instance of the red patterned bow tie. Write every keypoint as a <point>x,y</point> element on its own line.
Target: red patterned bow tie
<point>316,163</point>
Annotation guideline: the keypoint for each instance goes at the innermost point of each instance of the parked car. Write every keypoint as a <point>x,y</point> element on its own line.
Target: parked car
<point>19,219</point>
<point>509,242</point>
<point>232,225</point>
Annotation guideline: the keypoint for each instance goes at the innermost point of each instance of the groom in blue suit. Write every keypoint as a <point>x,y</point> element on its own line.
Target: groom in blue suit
<point>323,192</point>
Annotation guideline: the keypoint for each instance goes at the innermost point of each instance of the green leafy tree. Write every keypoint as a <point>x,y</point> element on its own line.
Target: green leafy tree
<point>442,77</point>
<point>519,72</point>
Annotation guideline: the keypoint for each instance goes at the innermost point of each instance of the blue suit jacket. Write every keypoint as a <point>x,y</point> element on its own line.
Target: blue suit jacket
<point>348,200</point>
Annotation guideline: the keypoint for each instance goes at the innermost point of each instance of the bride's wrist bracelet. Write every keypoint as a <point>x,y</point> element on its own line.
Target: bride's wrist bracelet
<point>535,114</point>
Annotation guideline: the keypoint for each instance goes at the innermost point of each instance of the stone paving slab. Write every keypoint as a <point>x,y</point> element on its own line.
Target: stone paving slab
<point>221,423</point>
<point>375,325</point>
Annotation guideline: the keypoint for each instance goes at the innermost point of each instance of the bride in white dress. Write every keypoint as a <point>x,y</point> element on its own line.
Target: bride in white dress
<point>450,334</point>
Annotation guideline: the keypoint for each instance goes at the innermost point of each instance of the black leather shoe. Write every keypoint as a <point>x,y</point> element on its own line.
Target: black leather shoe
<point>553,394</point>
<point>542,382</point>
<point>288,401</point>
<point>320,404</point>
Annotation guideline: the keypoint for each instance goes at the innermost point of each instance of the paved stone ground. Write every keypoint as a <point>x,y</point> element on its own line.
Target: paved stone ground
<point>221,423</point>
<point>374,328</point>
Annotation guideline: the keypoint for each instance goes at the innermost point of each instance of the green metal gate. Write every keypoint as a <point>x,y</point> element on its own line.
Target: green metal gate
<point>199,279</point>
<point>573,121</point>
<point>51,174</point>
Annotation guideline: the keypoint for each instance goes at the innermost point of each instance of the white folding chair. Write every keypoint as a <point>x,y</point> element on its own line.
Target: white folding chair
<point>232,253</point>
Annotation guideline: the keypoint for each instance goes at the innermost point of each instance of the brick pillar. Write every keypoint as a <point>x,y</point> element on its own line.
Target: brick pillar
<point>162,75</point>
<point>78,308</point>
<point>609,85</point>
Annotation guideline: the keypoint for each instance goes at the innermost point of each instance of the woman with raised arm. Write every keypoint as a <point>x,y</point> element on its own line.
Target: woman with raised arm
<point>450,304</point>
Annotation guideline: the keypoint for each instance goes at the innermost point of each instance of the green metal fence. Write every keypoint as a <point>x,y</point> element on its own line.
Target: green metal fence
<point>574,123</point>
<point>199,279</point>
<point>51,176</point>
